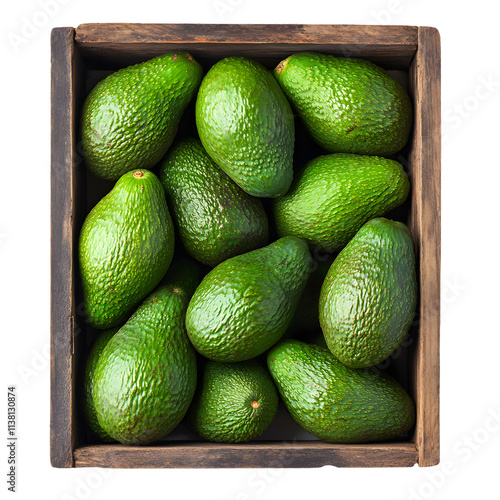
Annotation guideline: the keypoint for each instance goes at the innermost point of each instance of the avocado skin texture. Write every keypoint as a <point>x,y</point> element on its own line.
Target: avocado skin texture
<point>245,304</point>
<point>306,318</point>
<point>348,105</point>
<point>222,409</point>
<point>146,376</point>
<point>336,403</point>
<point>369,296</point>
<point>334,195</point>
<point>130,118</point>
<point>214,217</point>
<point>125,248</point>
<point>88,400</point>
<point>246,125</point>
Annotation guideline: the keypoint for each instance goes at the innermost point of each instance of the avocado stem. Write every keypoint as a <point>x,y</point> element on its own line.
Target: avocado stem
<point>138,174</point>
<point>255,404</point>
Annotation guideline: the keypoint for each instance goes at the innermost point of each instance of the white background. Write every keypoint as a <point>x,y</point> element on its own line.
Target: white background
<point>470,395</point>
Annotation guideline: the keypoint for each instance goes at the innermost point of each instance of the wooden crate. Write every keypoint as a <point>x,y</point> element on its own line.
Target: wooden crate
<point>78,55</point>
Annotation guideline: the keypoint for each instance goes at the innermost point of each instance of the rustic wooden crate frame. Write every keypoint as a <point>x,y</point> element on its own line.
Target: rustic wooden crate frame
<point>113,45</point>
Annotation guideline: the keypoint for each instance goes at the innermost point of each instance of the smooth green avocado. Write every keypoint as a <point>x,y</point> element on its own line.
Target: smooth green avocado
<point>334,195</point>
<point>369,296</point>
<point>130,118</point>
<point>125,248</point>
<point>146,375</point>
<point>234,402</point>
<point>348,105</point>
<point>246,125</point>
<point>215,218</point>
<point>336,403</point>
<point>245,304</point>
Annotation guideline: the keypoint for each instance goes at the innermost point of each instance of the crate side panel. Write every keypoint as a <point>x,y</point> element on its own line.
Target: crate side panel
<point>117,45</point>
<point>79,197</point>
<point>425,222</point>
<point>61,412</point>
<point>248,455</point>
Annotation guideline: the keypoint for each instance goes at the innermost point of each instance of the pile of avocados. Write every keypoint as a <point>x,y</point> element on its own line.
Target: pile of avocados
<point>223,278</point>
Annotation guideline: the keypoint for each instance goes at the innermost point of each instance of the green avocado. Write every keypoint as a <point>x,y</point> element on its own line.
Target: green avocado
<point>334,195</point>
<point>246,125</point>
<point>348,105</point>
<point>214,217</point>
<point>336,403</point>
<point>130,118</point>
<point>234,402</point>
<point>88,389</point>
<point>146,375</point>
<point>369,296</point>
<point>125,248</point>
<point>245,304</point>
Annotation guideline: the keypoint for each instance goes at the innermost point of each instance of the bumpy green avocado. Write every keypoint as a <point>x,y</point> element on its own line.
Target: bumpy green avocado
<point>88,388</point>
<point>126,246</point>
<point>334,195</point>
<point>234,402</point>
<point>336,403</point>
<point>369,296</point>
<point>246,125</point>
<point>146,375</point>
<point>130,118</point>
<point>348,105</point>
<point>245,304</point>
<point>214,217</point>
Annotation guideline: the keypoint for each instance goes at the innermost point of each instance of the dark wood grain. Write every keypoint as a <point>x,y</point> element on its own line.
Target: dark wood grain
<point>115,45</point>
<point>62,123</point>
<point>261,454</point>
<point>425,223</point>
<point>67,194</point>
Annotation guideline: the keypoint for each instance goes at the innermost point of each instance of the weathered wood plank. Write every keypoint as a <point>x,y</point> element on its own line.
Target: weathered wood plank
<point>249,455</point>
<point>114,45</point>
<point>425,222</point>
<point>377,36</point>
<point>67,212</point>
<point>62,147</point>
